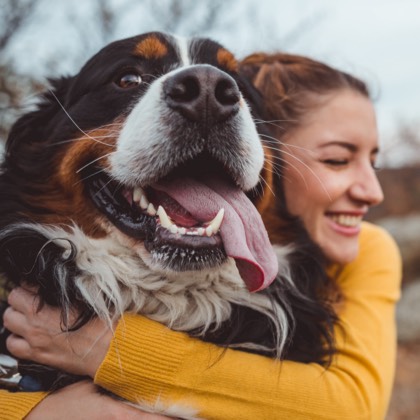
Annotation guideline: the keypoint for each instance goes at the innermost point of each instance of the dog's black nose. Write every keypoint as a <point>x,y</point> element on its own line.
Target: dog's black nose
<point>203,94</point>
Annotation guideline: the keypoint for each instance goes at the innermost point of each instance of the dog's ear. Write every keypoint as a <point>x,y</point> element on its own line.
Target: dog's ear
<point>251,94</point>
<point>31,128</point>
<point>255,101</point>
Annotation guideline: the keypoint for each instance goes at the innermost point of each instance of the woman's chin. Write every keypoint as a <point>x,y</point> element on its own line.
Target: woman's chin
<point>338,248</point>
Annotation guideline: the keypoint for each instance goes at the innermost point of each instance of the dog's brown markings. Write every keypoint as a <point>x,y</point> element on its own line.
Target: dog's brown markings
<point>64,196</point>
<point>227,60</point>
<point>268,175</point>
<point>151,48</point>
<point>266,204</point>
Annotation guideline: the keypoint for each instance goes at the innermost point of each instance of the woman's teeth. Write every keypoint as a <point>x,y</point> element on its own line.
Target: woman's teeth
<point>346,219</point>
<point>207,229</point>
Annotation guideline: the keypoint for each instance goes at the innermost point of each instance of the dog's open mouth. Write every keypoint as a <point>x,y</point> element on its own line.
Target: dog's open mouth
<point>191,222</point>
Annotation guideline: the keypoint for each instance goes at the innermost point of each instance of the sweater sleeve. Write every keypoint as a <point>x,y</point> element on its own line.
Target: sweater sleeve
<point>147,362</point>
<point>17,405</point>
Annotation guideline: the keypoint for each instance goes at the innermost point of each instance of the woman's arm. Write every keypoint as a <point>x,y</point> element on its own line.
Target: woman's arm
<point>17,405</point>
<point>147,361</point>
<point>80,400</point>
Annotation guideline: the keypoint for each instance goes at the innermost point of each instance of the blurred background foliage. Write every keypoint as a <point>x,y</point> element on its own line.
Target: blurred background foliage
<point>81,28</point>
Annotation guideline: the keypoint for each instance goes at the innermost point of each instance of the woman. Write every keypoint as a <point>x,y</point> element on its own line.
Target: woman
<point>326,124</point>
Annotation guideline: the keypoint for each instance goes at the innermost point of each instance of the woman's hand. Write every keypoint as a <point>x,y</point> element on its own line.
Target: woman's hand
<point>37,336</point>
<point>83,401</point>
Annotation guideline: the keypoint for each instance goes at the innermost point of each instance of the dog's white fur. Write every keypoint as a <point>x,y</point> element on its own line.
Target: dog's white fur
<point>113,279</point>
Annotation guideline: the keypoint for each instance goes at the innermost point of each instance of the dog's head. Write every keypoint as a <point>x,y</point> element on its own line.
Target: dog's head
<point>154,144</point>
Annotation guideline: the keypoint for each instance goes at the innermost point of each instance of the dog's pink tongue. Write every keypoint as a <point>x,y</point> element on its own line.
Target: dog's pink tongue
<point>243,233</point>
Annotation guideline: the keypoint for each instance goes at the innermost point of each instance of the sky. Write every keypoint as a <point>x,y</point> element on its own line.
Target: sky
<point>375,39</point>
<point>378,40</point>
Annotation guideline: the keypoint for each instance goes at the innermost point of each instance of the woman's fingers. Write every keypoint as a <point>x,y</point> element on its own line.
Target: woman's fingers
<point>37,335</point>
<point>23,300</point>
<point>15,321</point>
<point>18,346</point>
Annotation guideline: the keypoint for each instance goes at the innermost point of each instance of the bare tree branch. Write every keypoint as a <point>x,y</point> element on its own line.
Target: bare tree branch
<point>187,16</point>
<point>13,14</point>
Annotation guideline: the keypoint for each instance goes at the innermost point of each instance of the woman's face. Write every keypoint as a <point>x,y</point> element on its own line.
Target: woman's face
<point>329,176</point>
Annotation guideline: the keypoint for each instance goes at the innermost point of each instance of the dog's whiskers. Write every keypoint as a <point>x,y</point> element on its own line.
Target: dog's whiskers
<point>268,185</point>
<point>74,122</point>
<point>117,188</point>
<point>93,161</point>
<point>110,135</point>
<point>267,139</point>
<point>275,168</point>
<point>297,170</point>
<point>276,142</point>
<point>272,122</point>
<point>88,176</point>
<point>106,186</point>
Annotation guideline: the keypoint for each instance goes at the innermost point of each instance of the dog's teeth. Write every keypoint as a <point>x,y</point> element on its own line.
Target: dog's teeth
<point>138,193</point>
<point>151,211</point>
<point>216,222</point>
<point>144,202</point>
<point>211,229</point>
<point>139,196</point>
<point>164,218</point>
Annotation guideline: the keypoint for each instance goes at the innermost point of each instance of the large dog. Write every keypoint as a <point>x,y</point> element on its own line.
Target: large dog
<point>135,186</point>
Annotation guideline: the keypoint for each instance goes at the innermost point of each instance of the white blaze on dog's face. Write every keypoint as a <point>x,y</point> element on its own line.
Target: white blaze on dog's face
<point>182,114</point>
<point>168,150</point>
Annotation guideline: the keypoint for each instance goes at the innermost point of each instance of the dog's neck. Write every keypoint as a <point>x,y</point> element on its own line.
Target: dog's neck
<point>114,278</point>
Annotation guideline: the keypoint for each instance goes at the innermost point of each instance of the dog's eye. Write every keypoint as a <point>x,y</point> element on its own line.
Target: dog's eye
<point>129,80</point>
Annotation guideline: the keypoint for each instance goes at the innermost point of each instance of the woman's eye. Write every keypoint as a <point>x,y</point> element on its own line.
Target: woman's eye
<point>336,162</point>
<point>129,80</point>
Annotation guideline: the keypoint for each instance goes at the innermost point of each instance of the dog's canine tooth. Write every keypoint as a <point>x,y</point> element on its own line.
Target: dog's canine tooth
<point>217,221</point>
<point>138,193</point>
<point>209,230</point>
<point>151,211</point>
<point>144,202</point>
<point>164,218</point>
<point>174,229</point>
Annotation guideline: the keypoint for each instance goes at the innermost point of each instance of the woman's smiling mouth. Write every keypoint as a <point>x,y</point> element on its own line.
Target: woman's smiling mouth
<point>345,223</point>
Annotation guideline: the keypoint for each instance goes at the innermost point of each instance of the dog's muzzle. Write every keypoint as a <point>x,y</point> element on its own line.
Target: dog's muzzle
<point>186,153</point>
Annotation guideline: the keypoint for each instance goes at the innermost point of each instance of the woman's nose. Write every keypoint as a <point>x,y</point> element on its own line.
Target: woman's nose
<point>366,187</point>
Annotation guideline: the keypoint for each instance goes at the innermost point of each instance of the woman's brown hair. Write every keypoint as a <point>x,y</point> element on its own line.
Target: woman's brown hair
<point>290,84</point>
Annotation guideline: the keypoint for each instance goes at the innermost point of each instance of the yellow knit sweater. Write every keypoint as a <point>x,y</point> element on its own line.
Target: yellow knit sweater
<point>146,361</point>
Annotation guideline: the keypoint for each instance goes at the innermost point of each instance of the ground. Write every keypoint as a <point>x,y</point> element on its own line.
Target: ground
<point>405,403</point>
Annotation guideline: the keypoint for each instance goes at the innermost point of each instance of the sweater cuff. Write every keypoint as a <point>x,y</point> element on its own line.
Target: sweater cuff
<point>17,405</point>
<point>143,359</point>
